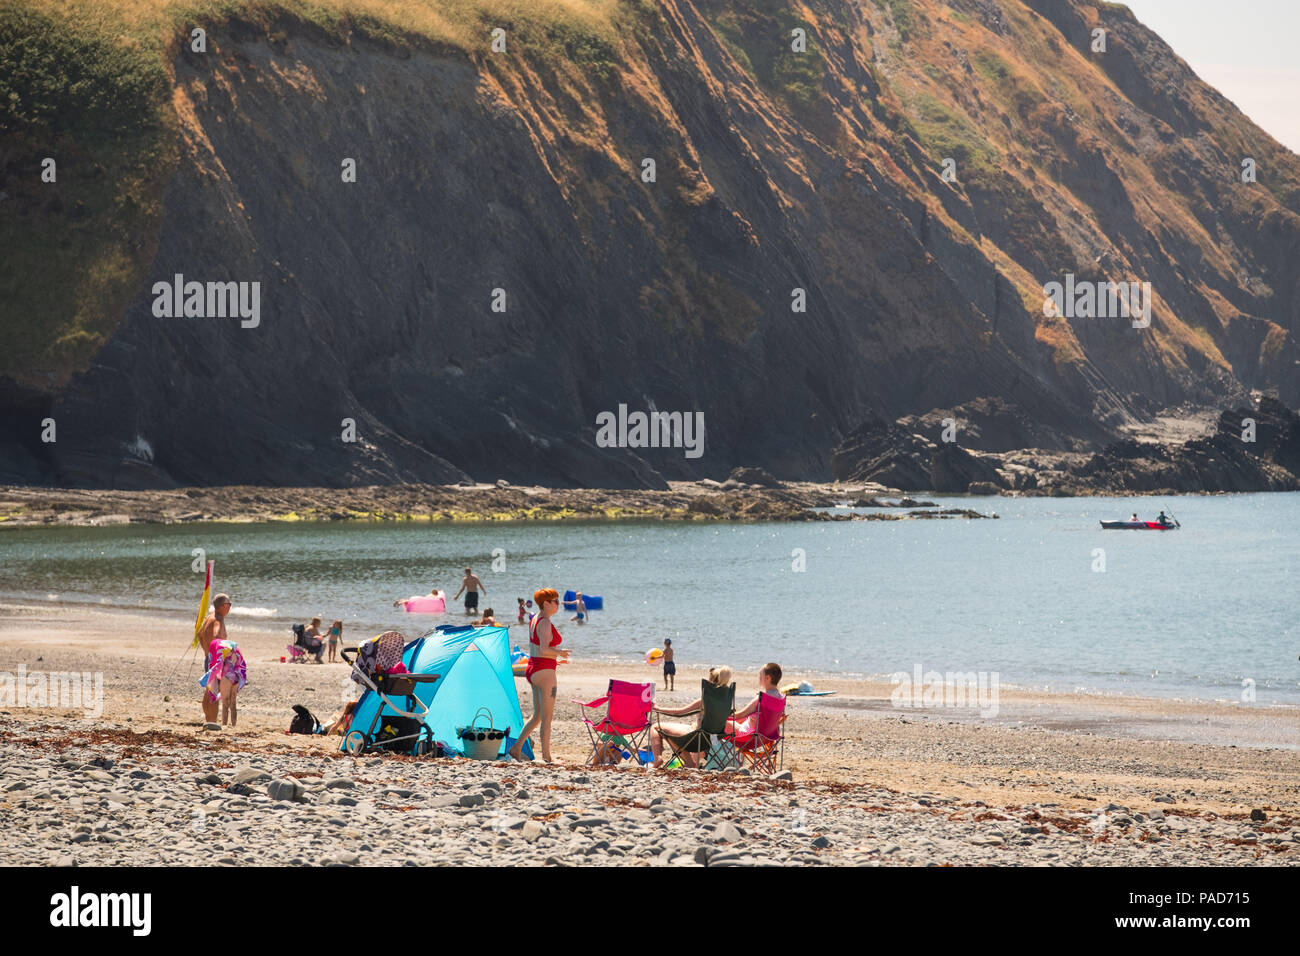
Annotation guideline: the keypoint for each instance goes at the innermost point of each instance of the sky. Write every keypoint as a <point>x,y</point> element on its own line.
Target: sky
<point>1246,49</point>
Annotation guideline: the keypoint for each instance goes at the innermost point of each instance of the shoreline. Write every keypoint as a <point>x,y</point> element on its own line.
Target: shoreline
<point>27,506</point>
<point>271,630</point>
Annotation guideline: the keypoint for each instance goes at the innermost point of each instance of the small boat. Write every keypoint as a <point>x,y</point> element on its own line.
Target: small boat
<point>1138,526</point>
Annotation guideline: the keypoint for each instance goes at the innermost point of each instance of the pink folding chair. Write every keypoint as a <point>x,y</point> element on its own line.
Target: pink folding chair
<point>619,719</point>
<point>762,746</point>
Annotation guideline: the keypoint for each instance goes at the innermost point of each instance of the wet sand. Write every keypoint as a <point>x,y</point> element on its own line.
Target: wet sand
<point>1075,750</point>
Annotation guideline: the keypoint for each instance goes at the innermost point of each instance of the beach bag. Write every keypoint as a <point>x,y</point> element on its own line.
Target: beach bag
<point>717,761</point>
<point>303,722</point>
<point>479,742</point>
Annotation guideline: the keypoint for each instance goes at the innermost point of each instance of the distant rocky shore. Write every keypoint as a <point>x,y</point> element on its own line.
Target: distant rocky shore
<point>876,467</point>
<point>750,495</point>
<point>976,449</point>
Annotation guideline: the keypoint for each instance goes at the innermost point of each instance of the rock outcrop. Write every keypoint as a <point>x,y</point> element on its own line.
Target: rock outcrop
<point>887,453</point>
<point>1254,448</point>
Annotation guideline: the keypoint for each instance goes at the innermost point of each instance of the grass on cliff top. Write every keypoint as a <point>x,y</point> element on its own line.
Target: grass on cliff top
<point>460,23</point>
<point>87,84</point>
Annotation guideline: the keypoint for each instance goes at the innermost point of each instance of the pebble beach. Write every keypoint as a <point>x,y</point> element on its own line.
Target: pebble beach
<point>118,798</point>
<point>1063,780</point>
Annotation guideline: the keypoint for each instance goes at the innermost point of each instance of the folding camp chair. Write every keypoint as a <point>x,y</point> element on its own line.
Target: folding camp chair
<point>709,739</point>
<point>622,719</point>
<point>763,746</point>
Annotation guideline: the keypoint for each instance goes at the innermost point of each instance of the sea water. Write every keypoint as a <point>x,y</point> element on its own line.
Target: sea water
<point>1041,596</point>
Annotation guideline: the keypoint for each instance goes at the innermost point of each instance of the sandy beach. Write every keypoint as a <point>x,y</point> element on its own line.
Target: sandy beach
<point>1126,780</point>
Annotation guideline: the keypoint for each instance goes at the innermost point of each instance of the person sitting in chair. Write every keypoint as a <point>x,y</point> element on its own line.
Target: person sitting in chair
<point>746,721</point>
<point>718,677</point>
<point>314,641</point>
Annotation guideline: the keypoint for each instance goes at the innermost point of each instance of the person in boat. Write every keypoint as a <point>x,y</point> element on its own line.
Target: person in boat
<point>1162,519</point>
<point>1133,517</point>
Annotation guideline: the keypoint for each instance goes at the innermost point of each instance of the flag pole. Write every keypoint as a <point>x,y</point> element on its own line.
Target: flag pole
<point>198,621</point>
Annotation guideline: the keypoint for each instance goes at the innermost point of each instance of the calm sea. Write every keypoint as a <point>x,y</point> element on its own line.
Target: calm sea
<point>1208,611</point>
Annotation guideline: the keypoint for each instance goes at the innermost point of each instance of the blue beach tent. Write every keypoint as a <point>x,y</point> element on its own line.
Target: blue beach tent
<point>475,666</point>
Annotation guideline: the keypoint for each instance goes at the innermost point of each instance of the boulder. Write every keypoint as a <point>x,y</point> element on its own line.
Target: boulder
<point>754,476</point>
<point>953,469</point>
<point>250,775</point>
<point>288,789</point>
<point>899,468</point>
<point>703,505</point>
<point>989,423</point>
<point>882,452</point>
<point>1277,432</point>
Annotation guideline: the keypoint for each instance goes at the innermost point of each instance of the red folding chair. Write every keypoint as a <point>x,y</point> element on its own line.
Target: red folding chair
<point>763,747</point>
<point>619,719</point>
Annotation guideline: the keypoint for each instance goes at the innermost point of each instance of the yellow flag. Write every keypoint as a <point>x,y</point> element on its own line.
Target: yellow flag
<point>203,605</point>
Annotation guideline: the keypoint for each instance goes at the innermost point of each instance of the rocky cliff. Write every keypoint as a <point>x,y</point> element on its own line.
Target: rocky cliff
<point>503,270</point>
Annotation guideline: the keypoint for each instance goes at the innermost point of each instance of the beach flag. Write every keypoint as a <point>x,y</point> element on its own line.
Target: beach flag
<point>203,604</point>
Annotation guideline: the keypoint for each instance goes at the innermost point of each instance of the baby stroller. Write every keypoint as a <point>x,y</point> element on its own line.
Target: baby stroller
<point>377,667</point>
<point>303,645</point>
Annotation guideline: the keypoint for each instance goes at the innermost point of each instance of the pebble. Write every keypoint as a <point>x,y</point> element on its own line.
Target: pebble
<point>533,830</point>
<point>288,789</point>
<point>726,832</point>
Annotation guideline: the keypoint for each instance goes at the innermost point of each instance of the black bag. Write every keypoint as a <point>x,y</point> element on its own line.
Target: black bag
<point>303,721</point>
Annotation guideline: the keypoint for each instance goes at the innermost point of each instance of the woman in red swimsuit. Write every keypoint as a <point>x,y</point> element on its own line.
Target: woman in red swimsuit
<point>544,653</point>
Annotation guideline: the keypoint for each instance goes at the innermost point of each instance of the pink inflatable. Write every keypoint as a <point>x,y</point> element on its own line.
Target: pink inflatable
<point>426,604</point>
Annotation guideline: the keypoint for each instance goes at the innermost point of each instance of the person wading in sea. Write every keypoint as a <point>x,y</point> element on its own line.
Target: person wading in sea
<point>471,585</point>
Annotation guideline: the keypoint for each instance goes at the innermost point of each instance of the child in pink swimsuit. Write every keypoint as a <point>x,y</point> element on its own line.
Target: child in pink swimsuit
<point>229,673</point>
